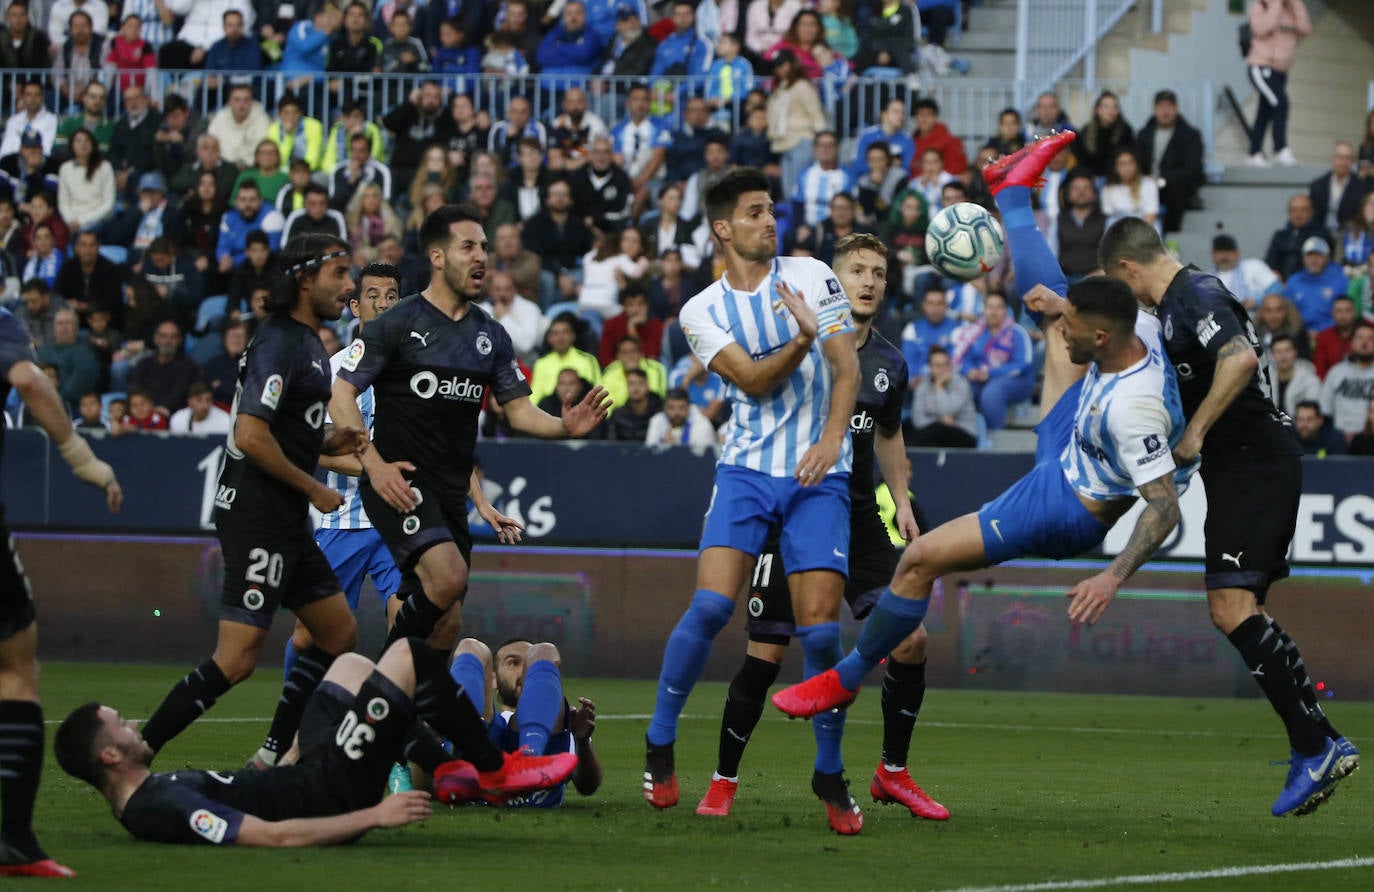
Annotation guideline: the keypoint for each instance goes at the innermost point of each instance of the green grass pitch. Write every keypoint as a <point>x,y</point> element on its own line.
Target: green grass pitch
<point>1042,788</point>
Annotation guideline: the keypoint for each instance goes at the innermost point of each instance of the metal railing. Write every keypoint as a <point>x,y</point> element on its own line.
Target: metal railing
<point>969,106</point>
<point>1052,36</point>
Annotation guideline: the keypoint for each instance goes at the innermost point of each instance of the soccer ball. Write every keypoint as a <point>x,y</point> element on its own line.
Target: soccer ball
<point>964,241</point>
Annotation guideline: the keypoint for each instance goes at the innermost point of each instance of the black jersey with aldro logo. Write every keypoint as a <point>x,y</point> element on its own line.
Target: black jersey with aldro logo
<point>429,375</point>
<point>882,391</point>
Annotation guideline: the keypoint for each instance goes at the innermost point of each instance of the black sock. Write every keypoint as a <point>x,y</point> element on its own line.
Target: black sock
<point>425,749</point>
<point>1304,682</point>
<point>306,675</point>
<point>904,689</point>
<point>743,707</point>
<point>191,698</point>
<point>441,702</point>
<point>416,619</point>
<point>1263,653</point>
<point>21,765</point>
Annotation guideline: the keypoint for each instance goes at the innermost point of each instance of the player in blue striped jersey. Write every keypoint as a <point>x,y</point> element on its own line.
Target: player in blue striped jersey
<point>780,333</point>
<point>1109,437</point>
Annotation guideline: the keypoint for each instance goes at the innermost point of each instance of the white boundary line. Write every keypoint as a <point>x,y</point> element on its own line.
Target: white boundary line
<point>1151,879</point>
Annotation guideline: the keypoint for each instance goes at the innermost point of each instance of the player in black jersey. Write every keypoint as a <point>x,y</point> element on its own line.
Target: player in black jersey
<point>431,361</point>
<point>263,501</point>
<point>876,432</point>
<point>355,726</point>
<point>1252,474</point>
<point>21,716</point>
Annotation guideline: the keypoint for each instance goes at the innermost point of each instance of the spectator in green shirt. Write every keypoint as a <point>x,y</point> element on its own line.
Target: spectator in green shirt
<point>91,117</point>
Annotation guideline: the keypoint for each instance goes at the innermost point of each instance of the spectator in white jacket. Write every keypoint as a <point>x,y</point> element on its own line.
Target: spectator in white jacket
<point>239,126</point>
<point>85,185</point>
<point>943,412</point>
<point>1295,379</point>
<point>679,423</point>
<point>521,318</point>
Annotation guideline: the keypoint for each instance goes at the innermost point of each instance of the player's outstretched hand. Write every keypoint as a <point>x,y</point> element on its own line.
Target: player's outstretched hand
<point>345,441</point>
<point>906,523</point>
<point>508,529</point>
<point>1041,299</point>
<point>807,322</point>
<point>325,500</point>
<point>816,462</point>
<point>1091,598</point>
<point>400,809</point>
<point>114,496</point>
<point>583,720</point>
<point>581,417</point>
<point>392,485</point>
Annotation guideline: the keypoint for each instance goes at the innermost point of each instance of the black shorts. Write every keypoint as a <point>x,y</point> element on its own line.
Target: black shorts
<point>349,742</point>
<point>407,536</point>
<point>872,562</point>
<point>16,595</point>
<point>266,568</point>
<point>1252,513</point>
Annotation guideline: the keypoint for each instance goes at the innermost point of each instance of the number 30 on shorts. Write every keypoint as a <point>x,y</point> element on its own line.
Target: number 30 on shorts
<point>264,566</point>
<point>353,735</point>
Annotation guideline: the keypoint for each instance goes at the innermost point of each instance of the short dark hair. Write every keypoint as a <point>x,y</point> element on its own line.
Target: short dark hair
<point>79,12</point>
<point>1344,297</point>
<point>288,99</point>
<point>1009,111</point>
<point>1129,238</point>
<point>633,373</point>
<point>360,135</point>
<point>677,393</point>
<point>880,145</point>
<point>438,226</point>
<point>1108,299</point>
<point>633,289</point>
<point>314,188</point>
<point>1166,96</point>
<point>197,388</point>
<point>934,349</point>
<point>1308,404</point>
<point>161,245</point>
<point>565,318</point>
<point>925,102</point>
<point>257,237</point>
<point>1282,336</point>
<point>39,285</point>
<point>400,12</point>
<point>74,742</point>
<point>724,196</point>
<point>248,184</point>
<point>380,271</point>
<point>628,339</point>
<point>46,195</point>
<point>1225,242</point>
<point>175,101</point>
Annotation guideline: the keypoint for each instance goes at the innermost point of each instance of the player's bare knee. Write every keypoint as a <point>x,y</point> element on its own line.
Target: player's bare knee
<point>349,671</point>
<point>543,651</point>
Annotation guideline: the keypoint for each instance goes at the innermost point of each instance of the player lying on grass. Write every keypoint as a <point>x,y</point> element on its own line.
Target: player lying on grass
<point>354,728</point>
<point>1107,440</point>
<point>525,711</point>
<point>875,432</point>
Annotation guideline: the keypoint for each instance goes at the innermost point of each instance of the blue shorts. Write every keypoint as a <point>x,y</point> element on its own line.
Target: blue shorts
<point>814,520</point>
<point>357,553</point>
<point>1055,430</point>
<point>507,739</point>
<point>1040,516</point>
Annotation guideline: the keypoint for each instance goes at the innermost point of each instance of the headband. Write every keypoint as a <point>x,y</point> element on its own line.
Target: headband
<point>307,265</point>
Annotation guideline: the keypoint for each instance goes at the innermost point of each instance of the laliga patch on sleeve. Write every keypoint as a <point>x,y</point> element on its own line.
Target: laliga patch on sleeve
<point>271,391</point>
<point>208,825</point>
<point>354,355</point>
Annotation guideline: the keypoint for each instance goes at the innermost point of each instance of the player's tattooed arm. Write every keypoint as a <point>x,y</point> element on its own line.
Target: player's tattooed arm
<point>1236,364</point>
<point>1091,597</point>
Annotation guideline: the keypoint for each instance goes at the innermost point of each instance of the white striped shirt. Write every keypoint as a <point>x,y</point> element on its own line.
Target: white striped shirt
<point>1127,424</point>
<point>154,30</point>
<point>350,515</point>
<point>815,187</point>
<point>770,433</point>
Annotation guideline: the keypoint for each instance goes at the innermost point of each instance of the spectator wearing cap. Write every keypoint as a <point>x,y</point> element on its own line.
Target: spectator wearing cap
<point>24,45</point>
<point>315,217</point>
<point>32,117</point>
<point>152,210</point>
<point>1248,278</point>
<point>236,51</point>
<point>1332,344</point>
<point>1286,247</point>
<point>77,365</point>
<point>240,125</point>
<point>1170,150</point>
<point>30,170</point>
<point>89,281</point>
<point>200,415</point>
<point>679,423</point>
<point>630,50</point>
<point>1316,285</point>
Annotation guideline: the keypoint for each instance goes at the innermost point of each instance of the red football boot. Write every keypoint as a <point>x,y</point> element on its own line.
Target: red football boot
<point>660,778</point>
<point>720,796</point>
<point>897,786</point>
<point>815,695</point>
<point>523,772</point>
<point>456,782</point>
<point>15,863</point>
<point>1025,166</point>
<point>841,811</point>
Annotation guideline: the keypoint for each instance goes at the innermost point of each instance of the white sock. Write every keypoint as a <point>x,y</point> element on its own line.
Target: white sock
<point>716,775</point>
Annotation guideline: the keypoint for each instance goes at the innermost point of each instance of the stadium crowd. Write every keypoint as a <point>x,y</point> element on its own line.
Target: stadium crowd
<point>140,239</point>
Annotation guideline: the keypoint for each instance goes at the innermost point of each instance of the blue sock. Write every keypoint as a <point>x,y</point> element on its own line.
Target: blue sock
<point>541,702</point>
<point>684,658</point>
<point>892,619</point>
<point>821,645</point>
<point>289,661</point>
<point>467,672</point>
<point>1031,257</point>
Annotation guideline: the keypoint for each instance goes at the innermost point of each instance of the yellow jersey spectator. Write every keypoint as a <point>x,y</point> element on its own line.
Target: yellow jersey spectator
<point>630,355</point>
<point>350,122</point>
<point>563,355</point>
<point>296,135</point>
